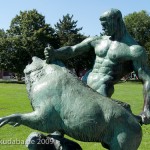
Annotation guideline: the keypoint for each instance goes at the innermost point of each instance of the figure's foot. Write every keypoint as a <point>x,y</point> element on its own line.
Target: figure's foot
<point>145,117</point>
<point>14,120</point>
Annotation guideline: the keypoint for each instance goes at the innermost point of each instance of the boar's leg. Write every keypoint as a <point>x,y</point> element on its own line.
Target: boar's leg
<point>32,120</point>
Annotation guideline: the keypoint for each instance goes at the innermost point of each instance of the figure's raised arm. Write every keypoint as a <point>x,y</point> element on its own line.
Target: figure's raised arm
<point>67,52</point>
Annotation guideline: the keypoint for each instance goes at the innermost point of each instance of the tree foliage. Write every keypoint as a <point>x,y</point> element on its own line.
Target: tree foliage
<point>27,37</point>
<point>30,26</point>
<point>2,41</point>
<point>138,25</point>
<point>67,31</point>
<point>2,33</point>
<point>13,58</point>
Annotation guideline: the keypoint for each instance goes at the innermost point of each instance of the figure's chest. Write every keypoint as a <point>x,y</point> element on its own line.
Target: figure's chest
<point>113,50</point>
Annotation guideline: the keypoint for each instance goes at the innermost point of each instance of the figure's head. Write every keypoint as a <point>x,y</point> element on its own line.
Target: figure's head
<point>112,23</point>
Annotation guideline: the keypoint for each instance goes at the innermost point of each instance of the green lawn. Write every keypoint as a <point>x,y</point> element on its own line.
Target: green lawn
<point>14,99</point>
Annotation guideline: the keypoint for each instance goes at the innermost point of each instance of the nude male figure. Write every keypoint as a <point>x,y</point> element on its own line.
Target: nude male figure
<point>117,54</point>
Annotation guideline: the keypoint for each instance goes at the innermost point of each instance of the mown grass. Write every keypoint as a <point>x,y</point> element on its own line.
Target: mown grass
<point>14,99</point>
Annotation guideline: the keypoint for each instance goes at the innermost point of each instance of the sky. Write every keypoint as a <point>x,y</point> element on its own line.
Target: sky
<point>86,12</point>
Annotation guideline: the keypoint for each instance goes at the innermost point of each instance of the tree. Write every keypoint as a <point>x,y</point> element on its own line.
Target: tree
<point>35,33</point>
<point>2,41</point>
<point>2,33</point>
<point>69,34</point>
<point>13,58</point>
<point>138,25</point>
<point>27,37</point>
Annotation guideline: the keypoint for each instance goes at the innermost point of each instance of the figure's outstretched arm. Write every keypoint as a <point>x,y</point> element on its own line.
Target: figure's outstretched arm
<point>143,71</point>
<point>67,52</point>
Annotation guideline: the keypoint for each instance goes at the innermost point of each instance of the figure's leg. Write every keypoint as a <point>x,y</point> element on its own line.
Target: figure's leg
<point>109,89</point>
<point>106,89</point>
<point>84,78</point>
<point>32,120</point>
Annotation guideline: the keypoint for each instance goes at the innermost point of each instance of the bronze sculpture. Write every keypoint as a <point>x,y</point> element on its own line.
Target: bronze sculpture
<point>62,102</point>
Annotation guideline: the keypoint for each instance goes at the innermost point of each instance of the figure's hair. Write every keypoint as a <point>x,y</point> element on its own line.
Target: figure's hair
<point>116,16</point>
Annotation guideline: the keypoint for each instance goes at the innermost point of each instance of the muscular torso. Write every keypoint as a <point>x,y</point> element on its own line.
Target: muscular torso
<point>113,61</point>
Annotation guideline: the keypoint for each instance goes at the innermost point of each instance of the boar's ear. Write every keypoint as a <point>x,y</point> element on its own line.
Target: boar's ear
<point>36,64</point>
<point>37,60</point>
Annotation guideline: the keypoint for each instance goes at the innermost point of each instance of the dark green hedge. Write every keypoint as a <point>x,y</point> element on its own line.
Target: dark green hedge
<point>8,81</point>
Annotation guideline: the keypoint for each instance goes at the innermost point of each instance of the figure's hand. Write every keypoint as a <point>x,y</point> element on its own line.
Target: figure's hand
<point>14,120</point>
<point>49,54</point>
<point>145,117</point>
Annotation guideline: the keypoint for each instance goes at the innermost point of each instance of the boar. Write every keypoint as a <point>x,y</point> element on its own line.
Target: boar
<point>61,102</point>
